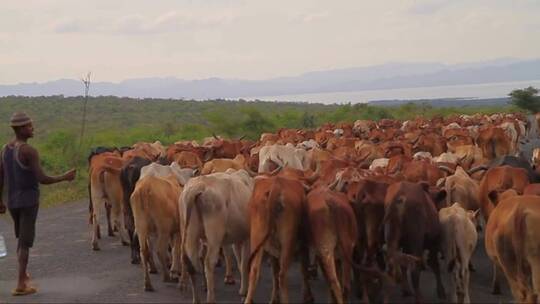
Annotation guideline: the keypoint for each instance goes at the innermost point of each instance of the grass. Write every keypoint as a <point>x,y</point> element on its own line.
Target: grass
<point>114,121</point>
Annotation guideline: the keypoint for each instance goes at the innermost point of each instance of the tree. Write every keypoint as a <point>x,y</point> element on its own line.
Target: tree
<point>526,99</point>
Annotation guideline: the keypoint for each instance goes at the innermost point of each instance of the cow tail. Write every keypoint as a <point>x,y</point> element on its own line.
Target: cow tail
<point>189,200</point>
<point>451,244</point>
<point>520,227</point>
<point>492,148</point>
<point>90,205</point>
<point>270,225</point>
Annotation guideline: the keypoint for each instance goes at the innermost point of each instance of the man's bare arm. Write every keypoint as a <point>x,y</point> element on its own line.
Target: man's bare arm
<point>32,157</point>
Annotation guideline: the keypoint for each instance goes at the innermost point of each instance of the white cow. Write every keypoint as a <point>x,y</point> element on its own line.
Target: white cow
<point>155,169</point>
<point>214,208</point>
<point>379,163</point>
<point>459,239</point>
<point>283,156</point>
<point>446,157</point>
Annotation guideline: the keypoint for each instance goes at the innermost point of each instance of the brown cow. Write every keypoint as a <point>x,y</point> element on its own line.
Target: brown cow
<point>333,233</point>
<point>188,159</point>
<point>494,142</point>
<point>412,223</point>
<point>512,242</point>
<point>276,220</point>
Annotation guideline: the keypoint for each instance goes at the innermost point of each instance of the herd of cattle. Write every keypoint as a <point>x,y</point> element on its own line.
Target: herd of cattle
<point>367,202</point>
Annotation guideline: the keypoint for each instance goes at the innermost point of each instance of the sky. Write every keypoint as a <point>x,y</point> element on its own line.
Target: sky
<point>43,40</point>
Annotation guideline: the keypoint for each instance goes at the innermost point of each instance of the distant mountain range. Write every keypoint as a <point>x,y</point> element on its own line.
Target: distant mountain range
<point>386,76</point>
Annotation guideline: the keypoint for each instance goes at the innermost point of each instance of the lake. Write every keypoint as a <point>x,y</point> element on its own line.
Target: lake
<point>473,91</point>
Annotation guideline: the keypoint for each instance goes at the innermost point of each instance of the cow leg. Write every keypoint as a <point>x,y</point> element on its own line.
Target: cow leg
<point>496,284</point>
<point>98,202</point>
<point>135,249</point>
<point>176,254</point>
<point>145,256</point>
<point>306,288</point>
<point>403,274</point>
<point>284,262</point>
<point>465,285</point>
<point>210,261</point>
<point>329,266</point>
<point>274,262</point>
<point>243,250</point>
<point>110,229</point>
<point>153,268</point>
<point>119,223</point>
<point>433,262</point>
<point>254,272</point>
<point>229,278</point>
<point>162,251</point>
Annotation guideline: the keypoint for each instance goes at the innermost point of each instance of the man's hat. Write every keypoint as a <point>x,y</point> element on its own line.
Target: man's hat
<point>19,119</point>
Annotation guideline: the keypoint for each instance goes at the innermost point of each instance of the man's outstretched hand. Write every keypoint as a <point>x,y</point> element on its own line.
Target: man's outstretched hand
<point>70,175</point>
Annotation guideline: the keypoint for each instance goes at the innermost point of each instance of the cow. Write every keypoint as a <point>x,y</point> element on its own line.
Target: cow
<point>460,187</point>
<point>411,221</point>
<point>500,179</point>
<point>155,169</point>
<point>283,156</point>
<point>222,164</point>
<point>129,176</point>
<point>214,207</point>
<point>155,211</point>
<point>459,239</point>
<point>512,242</point>
<point>105,168</point>
<point>333,233</point>
<point>494,142</point>
<point>188,159</point>
<point>276,214</point>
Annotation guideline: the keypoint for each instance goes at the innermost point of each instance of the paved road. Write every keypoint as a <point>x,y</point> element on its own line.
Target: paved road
<point>67,271</point>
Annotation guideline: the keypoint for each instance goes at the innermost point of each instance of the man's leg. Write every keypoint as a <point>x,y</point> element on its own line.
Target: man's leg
<point>27,231</point>
<point>22,255</point>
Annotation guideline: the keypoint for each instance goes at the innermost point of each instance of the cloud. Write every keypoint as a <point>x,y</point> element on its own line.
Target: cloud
<point>169,22</point>
<point>66,26</point>
<point>430,7</point>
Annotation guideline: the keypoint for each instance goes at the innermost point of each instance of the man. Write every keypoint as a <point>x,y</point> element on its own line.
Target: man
<point>20,176</point>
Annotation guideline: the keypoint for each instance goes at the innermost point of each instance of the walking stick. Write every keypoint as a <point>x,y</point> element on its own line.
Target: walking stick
<point>86,81</point>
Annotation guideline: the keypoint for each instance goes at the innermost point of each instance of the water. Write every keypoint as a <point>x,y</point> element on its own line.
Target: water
<point>473,91</point>
<point>3,249</point>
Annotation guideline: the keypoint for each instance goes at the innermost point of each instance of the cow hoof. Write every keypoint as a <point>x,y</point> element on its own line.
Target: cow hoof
<point>229,280</point>
<point>124,243</point>
<point>153,271</point>
<point>171,280</point>
<point>309,299</point>
<point>95,247</point>
<point>406,293</point>
<point>496,290</point>
<point>135,261</point>
<point>148,288</point>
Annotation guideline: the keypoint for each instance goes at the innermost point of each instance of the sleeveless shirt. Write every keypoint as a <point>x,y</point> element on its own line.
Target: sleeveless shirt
<point>20,182</point>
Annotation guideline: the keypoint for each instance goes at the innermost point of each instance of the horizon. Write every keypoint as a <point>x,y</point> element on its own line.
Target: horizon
<point>44,40</point>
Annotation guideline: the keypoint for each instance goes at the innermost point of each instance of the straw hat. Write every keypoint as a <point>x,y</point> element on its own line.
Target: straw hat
<point>19,119</point>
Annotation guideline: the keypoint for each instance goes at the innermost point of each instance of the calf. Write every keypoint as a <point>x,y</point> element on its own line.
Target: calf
<point>459,239</point>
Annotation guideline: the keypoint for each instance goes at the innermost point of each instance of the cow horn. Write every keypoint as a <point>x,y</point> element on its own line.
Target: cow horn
<point>243,136</point>
<point>276,171</point>
<point>333,185</point>
<point>447,169</point>
<point>214,134</point>
<point>476,169</point>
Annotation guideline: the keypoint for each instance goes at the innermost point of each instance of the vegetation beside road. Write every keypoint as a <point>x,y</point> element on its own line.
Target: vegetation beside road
<point>114,121</point>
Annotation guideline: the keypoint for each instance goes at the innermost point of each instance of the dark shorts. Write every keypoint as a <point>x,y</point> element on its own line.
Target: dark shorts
<point>24,220</point>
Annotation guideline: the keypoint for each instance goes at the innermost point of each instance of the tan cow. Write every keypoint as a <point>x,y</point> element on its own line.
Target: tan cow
<point>155,210</point>
<point>283,156</point>
<point>513,242</point>
<point>458,242</point>
<point>460,187</point>
<point>222,164</point>
<point>214,208</point>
